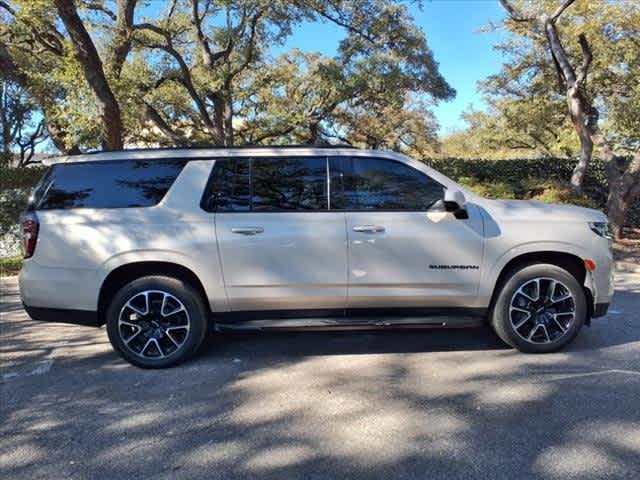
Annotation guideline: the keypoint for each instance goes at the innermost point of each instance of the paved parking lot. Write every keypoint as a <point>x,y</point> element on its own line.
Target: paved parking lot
<point>404,404</point>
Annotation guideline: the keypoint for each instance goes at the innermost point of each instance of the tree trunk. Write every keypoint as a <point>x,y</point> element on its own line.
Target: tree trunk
<point>123,38</point>
<point>87,56</point>
<point>580,118</point>
<point>228,117</point>
<point>624,188</point>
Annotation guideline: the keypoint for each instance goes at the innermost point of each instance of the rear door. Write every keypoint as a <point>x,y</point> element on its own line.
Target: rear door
<point>280,246</point>
<point>404,251</point>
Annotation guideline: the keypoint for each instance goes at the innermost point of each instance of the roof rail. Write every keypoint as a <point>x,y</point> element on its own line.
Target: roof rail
<point>219,147</point>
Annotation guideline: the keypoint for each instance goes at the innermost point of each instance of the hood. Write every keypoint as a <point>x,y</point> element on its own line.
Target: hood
<point>536,210</point>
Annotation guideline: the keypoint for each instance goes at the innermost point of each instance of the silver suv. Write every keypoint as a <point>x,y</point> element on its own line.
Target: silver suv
<point>163,245</point>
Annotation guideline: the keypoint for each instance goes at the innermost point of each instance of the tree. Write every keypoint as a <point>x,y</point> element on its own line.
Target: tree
<point>232,41</point>
<point>310,98</point>
<point>185,74</point>
<point>593,76</point>
<point>21,125</point>
<point>50,66</point>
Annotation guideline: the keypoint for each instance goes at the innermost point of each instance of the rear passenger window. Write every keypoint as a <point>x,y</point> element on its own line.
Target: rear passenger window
<point>289,184</point>
<point>112,184</point>
<point>359,183</point>
<point>268,185</point>
<point>231,187</point>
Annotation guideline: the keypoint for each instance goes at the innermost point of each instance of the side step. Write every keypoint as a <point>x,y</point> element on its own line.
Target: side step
<point>363,323</point>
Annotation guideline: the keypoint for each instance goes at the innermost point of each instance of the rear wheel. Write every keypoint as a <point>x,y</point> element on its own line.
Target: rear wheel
<point>156,321</point>
<point>540,308</point>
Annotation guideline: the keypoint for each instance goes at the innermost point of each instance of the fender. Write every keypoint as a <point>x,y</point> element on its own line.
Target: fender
<point>490,276</point>
<point>208,271</point>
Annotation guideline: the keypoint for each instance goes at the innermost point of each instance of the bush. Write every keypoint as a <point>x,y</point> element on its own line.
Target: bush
<point>545,179</point>
<point>16,184</point>
<point>10,265</point>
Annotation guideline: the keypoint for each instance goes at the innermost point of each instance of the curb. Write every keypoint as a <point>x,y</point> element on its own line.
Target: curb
<point>627,267</point>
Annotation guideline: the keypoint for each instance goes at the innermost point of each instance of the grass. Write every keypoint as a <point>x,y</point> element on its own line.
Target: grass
<point>10,266</point>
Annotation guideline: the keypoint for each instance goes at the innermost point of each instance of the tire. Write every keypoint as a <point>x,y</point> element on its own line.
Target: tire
<point>517,312</point>
<point>156,321</point>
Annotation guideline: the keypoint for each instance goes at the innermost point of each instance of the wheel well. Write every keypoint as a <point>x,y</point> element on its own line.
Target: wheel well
<point>569,262</point>
<point>129,272</point>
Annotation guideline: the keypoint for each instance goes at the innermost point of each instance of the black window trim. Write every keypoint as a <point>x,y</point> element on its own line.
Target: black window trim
<point>209,186</point>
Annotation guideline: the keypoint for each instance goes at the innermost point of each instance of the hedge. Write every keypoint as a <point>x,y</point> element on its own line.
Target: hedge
<point>524,177</point>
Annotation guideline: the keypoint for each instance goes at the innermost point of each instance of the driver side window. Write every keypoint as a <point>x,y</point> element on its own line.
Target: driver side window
<point>364,184</point>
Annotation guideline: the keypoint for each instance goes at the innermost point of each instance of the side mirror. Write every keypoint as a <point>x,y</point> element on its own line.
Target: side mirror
<point>455,203</point>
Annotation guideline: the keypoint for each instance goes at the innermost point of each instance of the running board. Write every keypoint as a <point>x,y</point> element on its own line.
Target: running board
<point>352,323</point>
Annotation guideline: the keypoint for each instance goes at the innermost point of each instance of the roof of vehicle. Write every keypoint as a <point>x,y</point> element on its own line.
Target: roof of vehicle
<point>204,153</point>
<point>195,153</point>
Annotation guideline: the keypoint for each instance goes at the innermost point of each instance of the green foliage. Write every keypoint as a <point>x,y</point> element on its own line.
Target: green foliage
<point>544,179</point>
<point>10,265</point>
<point>20,177</point>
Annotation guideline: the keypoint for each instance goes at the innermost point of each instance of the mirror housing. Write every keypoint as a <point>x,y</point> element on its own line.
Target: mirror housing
<point>455,203</point>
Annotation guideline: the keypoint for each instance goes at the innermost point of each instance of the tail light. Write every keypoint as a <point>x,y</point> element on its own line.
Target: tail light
<point>30,227</point>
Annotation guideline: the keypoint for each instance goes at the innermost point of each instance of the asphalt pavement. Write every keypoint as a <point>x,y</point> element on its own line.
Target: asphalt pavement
<point>424,404</point>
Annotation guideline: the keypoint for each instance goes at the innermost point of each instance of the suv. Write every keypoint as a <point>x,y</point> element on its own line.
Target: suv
<point>162,245</point>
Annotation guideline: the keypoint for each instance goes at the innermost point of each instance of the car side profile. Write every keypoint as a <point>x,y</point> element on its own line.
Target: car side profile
<point>164,245</point>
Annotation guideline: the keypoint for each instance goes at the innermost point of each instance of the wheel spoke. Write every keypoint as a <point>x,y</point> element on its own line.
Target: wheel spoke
<point>560,299</point>
<point>144,349</point>
<point>533,332</point>
<point>560,326</point>
<point>178,309</point>
<point>522,322</point>
<point>546,333</point>
<point>177,327</point>
<point>170,337</point>
<point>128,340</point>
<point>552,289</point>
<point>155,340</point>
<point>146,304</point>
<point>130,324</point>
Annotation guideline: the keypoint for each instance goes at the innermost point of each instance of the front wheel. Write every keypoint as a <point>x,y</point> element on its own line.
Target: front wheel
<point>156,321</point>
<point>540,308</point>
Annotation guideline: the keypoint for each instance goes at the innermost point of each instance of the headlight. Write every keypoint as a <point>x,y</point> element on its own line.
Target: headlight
<point>601,229</point>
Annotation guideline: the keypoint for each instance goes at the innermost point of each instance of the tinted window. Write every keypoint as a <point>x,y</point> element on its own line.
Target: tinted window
<point>231,187</point>
<point>289,184</point>
<point>380,184</point>
<point>117,184</point>
<point>268,185</point>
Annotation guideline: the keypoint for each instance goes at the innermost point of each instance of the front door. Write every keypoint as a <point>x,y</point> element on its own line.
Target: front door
<point>404,251</point>
<point>280,246</point>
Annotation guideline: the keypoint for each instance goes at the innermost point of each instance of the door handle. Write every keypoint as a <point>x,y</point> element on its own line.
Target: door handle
<point>247,230</point>
<point>368,228</point>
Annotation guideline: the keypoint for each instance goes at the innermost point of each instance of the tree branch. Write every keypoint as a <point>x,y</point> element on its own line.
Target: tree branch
<point>514,14</point>
<point>154,117</point>
<point>558,52</point>
<point>560,9</point>
<point>98,7</point>
<point>185,80</point>
<point>196,20</point>
<point>587,57</point>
